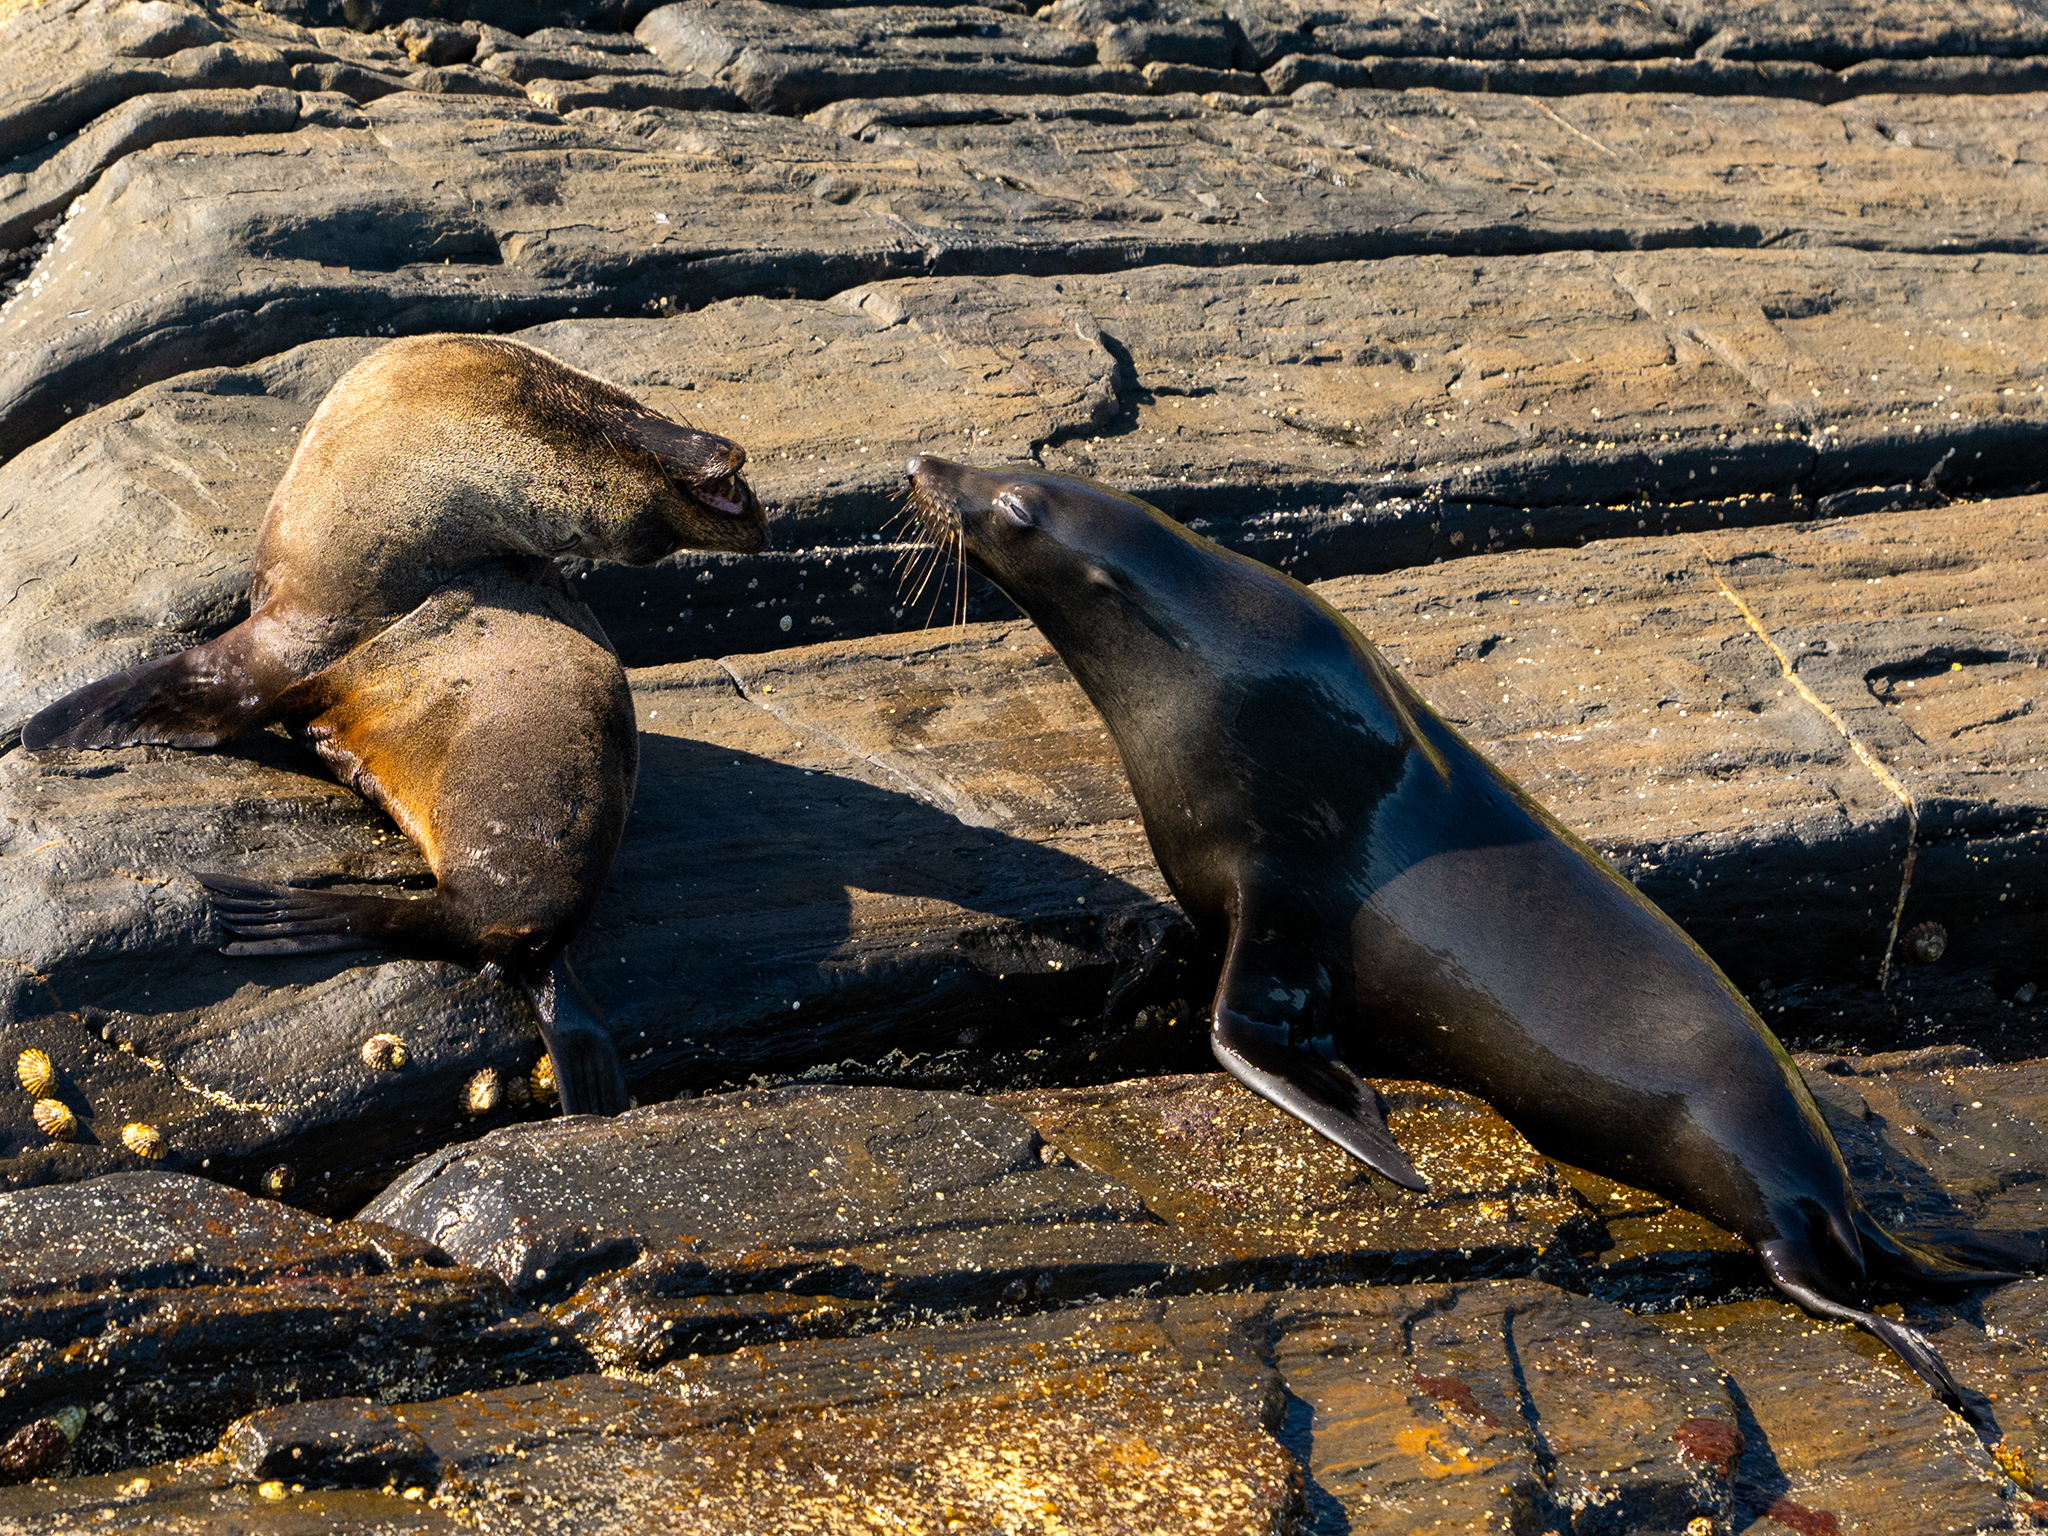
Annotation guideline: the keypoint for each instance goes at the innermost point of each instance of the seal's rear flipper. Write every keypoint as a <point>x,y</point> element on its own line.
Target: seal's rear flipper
<point>1949,1257</point>
<point>1793,1270</point>
<point>196,698</point>
<point>586,1061</point>
<point>283,920</point>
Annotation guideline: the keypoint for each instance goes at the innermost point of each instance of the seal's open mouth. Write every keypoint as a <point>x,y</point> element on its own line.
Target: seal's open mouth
<point>728,496</point>
<point>702,465</point>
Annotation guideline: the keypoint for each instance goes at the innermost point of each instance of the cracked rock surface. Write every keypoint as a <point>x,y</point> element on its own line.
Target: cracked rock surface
<point>1659,385</point>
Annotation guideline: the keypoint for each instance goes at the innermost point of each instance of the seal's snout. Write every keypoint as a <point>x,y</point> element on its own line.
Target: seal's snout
<point>914,465</point>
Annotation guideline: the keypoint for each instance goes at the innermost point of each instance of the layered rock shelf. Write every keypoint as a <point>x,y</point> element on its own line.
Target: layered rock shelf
<point>1659,386</point>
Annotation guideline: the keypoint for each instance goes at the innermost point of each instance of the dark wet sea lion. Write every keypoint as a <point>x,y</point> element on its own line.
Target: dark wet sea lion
<point>407,619</point>
<point>1385,898</point>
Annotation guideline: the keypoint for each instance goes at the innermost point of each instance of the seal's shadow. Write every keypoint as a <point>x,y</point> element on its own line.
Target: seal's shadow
<point>761,916</point>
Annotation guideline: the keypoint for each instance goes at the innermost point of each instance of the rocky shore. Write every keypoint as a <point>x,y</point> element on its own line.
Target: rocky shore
<point>1660,386</point>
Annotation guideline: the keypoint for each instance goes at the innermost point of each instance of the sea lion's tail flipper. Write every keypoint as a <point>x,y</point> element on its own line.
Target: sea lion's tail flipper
<point>1950,1257</point>
<point>586,1061</point>
<point>196,698</point>
<point>1794,1270</point>
<point>283,920</point>
<point>1271,992</point>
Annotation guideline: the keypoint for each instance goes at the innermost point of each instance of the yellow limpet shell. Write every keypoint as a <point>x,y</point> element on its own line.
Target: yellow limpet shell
<point>481,1094</point>
<point>384,1053</point>
<point>142,1140</point>
<point>55,1120</point>
<point>38,1075</point>
<point>542,1081</point>
<point>272,1490</point>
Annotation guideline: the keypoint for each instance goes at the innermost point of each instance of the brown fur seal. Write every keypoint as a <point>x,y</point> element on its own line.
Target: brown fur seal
<point>405,616</point>
<point>1387,900</point>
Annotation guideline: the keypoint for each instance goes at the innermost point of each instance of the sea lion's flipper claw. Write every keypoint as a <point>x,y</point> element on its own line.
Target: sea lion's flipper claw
<point>588,1075</point>
<point>283,920</point>
<point>196,698</point>
<point>1271,991</point>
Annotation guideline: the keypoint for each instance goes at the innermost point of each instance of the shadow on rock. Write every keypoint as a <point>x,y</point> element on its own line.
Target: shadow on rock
<point>766,918</point>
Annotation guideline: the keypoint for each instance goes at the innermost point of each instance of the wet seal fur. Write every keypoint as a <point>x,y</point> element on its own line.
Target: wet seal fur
<point>407,620</point>
<point>1386,898</point>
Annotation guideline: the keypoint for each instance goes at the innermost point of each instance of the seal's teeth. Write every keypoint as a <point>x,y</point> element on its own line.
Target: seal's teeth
<point>724,496</point>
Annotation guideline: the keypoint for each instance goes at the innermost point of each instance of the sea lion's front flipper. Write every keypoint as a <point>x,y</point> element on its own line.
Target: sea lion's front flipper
<point>197,698</point>
<point>586,1061</point>
<point>1264,1036</point>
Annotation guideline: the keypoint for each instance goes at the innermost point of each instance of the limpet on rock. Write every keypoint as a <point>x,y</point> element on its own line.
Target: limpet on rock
<point>55,1120</point>
<point>384,1053</point>
<point>1926,943</point>
<point>37,1073</point>
<point>542,1080</point>
<point>142,1140</point>
<point>481,1093</point>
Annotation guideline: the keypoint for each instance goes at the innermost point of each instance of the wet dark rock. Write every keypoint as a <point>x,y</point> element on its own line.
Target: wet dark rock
<point>332,1442</point>
<point>1485,1400</point>
<point>153,1308</point>
<point>652,1234</point>
<point>1511,1403</point>
<point>1137,1416</point>
<point>1831,1425</point>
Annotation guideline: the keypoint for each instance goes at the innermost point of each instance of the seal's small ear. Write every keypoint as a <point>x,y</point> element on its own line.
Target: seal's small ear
<point>690,457</point>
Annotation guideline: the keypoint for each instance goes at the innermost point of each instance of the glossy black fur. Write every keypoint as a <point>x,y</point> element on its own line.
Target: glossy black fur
<point>1388,901</point>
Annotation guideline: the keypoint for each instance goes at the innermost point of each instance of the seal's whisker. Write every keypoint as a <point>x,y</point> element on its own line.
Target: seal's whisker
<point>959,579</point>
<point>928,564</point>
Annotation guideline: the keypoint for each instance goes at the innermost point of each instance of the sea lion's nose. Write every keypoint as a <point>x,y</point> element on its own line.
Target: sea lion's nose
<point>914,465</point>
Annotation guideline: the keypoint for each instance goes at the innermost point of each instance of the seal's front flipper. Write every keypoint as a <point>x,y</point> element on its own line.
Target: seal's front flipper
<point>196,698</point>
<point>283,920</point>
<point>1793,1268</point>
<point>1265,1035</point>
<point>586,1062</point>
